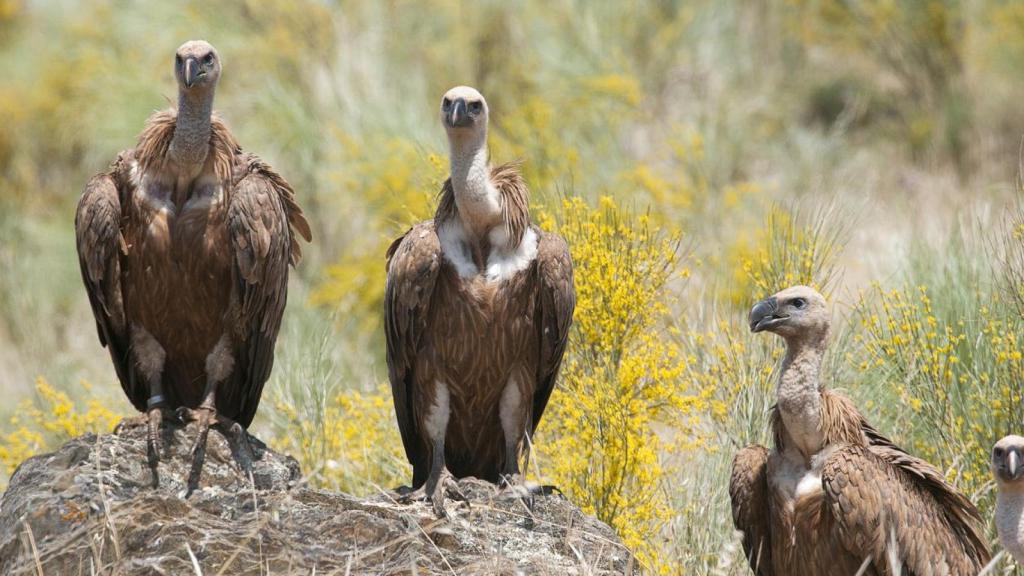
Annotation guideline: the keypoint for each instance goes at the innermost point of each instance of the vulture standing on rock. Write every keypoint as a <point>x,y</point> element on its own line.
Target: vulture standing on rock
<point>478,305</point>
<point>184,245</point>
<point>834,496</point>
<point>1008,469</point>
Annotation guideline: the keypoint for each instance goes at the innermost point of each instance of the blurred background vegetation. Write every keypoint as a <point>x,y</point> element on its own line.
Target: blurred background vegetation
<point>698,156</point>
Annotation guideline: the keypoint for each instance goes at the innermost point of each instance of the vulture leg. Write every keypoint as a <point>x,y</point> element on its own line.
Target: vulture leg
<point>515,421</point>
<point>218,367</point>
<point>439,481</point>
<point>150,357</point>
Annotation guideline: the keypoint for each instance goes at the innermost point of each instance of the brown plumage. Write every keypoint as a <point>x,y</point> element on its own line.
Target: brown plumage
<point>184,244</point>
<point>478,307</point>
<point>834,496</point>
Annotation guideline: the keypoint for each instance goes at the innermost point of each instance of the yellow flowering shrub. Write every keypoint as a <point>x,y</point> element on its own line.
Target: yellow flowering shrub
<point>792,248</point>
<point>606,433</point>
<point>48,420</point>
<point>349,443</point>
<point>955,372</point>
<point>399,185</point>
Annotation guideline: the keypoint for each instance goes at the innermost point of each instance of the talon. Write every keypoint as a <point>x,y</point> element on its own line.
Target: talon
<point>198,457</point>
<point>241,448</point>
<point>185,414</point>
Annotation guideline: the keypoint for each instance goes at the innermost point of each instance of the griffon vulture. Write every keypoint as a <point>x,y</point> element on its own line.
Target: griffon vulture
<point>184,245</point>
<point>478,305</point>
<point>1008,469</point>
<point>834,496</point>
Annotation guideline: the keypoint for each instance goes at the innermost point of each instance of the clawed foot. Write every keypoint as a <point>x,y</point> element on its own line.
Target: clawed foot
<point>152,420</point>
<point>445,485</point>
<point>233,431</point>
<point>515,487</point>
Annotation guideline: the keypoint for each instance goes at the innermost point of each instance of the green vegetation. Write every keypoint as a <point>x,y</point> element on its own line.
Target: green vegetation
<point>703,153</point>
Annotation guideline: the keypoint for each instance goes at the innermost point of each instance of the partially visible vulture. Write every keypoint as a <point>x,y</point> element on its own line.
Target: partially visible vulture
<point>184,245</point>
<point>1008,469</point>
<point>478,306</point>
<point>834,496</point>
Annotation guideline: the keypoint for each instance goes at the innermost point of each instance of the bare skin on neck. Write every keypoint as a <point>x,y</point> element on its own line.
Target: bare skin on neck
<point>464,114</point>
<point>197,69</point>
<point>800,316</point>
<point>799,396</point>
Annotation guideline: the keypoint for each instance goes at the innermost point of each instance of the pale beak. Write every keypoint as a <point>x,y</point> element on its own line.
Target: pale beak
<point>1012,464</point>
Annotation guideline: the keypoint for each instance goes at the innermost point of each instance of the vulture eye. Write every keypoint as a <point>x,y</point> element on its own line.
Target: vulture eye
<point>208,59</point>
<point>799,303</point>
<point>475,107</point>
<point>177,59</point>
<point>998,452</point>
<point>446,104</point>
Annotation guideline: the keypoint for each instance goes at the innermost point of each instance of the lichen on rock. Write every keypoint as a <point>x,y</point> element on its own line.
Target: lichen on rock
<point>89,507</point>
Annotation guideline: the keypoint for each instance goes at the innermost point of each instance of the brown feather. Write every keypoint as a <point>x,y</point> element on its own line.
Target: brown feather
<point>474,335</point>
<point>515,201</point>
<point>155,140</point>
<point>194,273</point>
<point>873,494</point>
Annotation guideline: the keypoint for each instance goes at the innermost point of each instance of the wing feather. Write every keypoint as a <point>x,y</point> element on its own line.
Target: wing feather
<point>413,264</point>
<point>556,303</point>
<point>897,509</point>
<point>261,213</point>
<point>748,491</point>
<point>100,246</point>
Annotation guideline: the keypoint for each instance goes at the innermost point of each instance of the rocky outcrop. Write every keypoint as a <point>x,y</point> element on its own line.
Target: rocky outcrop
<point>89,508</point>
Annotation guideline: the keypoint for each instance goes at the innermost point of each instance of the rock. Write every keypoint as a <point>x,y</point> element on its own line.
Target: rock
<point>89,508</point>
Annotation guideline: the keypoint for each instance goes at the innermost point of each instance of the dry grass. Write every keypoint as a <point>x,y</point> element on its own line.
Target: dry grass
<point>827,143</point>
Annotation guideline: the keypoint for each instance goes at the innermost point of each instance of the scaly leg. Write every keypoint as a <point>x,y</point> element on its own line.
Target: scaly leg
<point>150,357</point>
<point>156,405</point>
<point>513,425</point>
<point>218,367</point>
<point>206,415</point>
<point>439,481</point>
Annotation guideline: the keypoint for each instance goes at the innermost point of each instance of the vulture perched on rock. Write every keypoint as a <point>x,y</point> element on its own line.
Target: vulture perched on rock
<point>478,306</point>
<point>184,245</point>
<point>834,496</point>
<point>1008,469</point>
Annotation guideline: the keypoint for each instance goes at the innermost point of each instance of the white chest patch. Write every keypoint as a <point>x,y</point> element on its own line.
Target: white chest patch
<point>503,263</point>
<point>809,484</point>
<point>455,247</point>
<point>794,479</point>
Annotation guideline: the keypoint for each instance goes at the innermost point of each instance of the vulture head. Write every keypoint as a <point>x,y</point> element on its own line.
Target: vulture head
<point>796,313</point>
<point>464,114</point>
<point>196,66</point>
<point>1008,462</point>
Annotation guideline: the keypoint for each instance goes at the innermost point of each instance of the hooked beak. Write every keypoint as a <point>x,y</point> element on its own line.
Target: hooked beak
<point>1013,468</point>
<point>763,315</point>
<point>192,71</point>
<point>459,116</point>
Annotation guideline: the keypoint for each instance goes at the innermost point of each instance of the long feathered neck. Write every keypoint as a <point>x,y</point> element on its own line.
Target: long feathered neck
<point>476,198</point>
<point>191,141</point>
<point>799,393</point>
